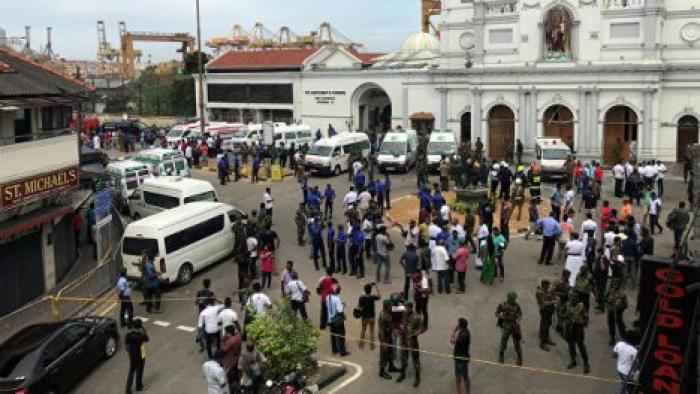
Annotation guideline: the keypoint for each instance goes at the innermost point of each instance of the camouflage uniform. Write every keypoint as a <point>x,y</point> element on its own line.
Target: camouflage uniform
<point>584,287</point>
<point>545,302</point>
<point>444,175</point>
<point>616,302</point>
<point>300,221</point>
<point>301,170</point>
<point>412,327</point>
<point>386,352</point>
<point>560,290</point>
<point>575,321</point>
<point>509,314</point>
<point>422,161</point>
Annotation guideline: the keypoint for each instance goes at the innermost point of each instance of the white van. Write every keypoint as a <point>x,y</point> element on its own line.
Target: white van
<point>441,143</point>
<point>247,134</point>
<point>330,155</point>
<point>182,240</point>
<point>551,154</point>
<point>166,192</point>
<point>398,150</point>
<point>164,161</point>
<point>293,134</point>
<point>126,175</point>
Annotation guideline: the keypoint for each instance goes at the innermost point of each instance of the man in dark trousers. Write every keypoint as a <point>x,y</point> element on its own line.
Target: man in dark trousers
<point>134,342</point>
<point>124,292</point>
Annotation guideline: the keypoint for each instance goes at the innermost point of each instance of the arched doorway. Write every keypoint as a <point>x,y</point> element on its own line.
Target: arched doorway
<point>501,132</point>
<point>465,125</point>
<point>619,131</point>
<point>558,122</point>
<point>687,134</point>
<point>373,109</point>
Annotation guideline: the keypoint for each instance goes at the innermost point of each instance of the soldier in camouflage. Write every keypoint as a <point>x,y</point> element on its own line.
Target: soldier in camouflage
<point>386,351</point>
<point>300,221</point>
<point>351,160</point>
<point>584,286</point>
<point>422,160</point>
<point>575,322</point>
<point>616,302</point>
<point>560,290</point>
<point>412,327</point>
<point>509,315</point>
<point>545,302</point>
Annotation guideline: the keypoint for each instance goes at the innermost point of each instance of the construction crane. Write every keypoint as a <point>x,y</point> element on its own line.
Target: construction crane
<point>261,37</point>
<point>129,55</point>
<point>108,58</point>
<point>430,8</point>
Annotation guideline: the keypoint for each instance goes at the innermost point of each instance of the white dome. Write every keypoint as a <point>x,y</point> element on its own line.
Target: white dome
<point>421,42</point>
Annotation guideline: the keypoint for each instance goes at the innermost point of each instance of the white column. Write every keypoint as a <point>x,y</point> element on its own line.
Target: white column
<point>476,115</point>
<point>443,108</point>
<point>595,126</point>
<point>533,121</point>
<point>647,150</point>
<point>581,126</point>
<point>404,108</point>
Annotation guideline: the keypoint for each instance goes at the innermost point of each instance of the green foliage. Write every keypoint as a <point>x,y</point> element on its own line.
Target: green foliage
<point>462,206</point>
<point>191,64</point>
<point>286,340</point>
<point>162,94</point>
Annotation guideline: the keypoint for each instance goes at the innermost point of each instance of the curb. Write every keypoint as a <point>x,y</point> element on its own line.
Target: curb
<point>326,381</point>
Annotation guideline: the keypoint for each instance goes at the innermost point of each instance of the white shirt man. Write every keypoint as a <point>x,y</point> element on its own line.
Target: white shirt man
<point>356,167</point>
<point>569,199</point>
<point>434,230</point>
<point>252,244</point>
<point>661,170</point>
<point>655,207</point>
<point>481,236</point>
<point>628,169</point>
<point>364,198</point>
<point>227,317</point>
<point>461,234</point>
<point>267,199</point>
<point>188,151</point>
<point>350,198</point>
<point>618,171</point>
<point>625,354</point>
<point>650,171</point>
<point>334,305</point>
<point>209,318</point>
<point>412,236</point>
<point>259,302</point>
<point>439,258</point>
<point>96,141</point>
<point>574,258</point>
<point>587,226</point>
<point>445,213</point>
<point>214,373</point>
<point>295,290</point>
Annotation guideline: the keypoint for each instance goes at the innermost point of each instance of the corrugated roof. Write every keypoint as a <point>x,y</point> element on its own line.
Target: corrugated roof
<point>265,59</point>
<point>25,77</point>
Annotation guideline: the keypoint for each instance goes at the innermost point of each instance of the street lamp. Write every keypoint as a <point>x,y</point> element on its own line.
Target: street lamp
<point>201,75</point>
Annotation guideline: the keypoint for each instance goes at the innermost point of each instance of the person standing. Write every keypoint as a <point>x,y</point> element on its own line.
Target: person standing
<point>323,289</point>
<point>461,259</point>
<point>267,200</point>
<point>208,324</point>
<point>357,243</point>
<point>411,328</point>
<point>384,332</point>
<point>126,308</point>
<point>619,174</point>
<point>384,248</point>
<point>236,167</point>
<point>422,289</point>
<point>461,341</point>
<point>151,289</point>
<point>576,319</point>
<point>215,375</point>
<point>318,247</point>
<point>509,314</point>
<point>228,318</point>
<point>135,345</point>
<point>626,355</point>
<point>78,224</point>
<point>574,257</point>
<point>328,197</point>
<point>616,302</point>
<point>387,191</point>
<point>545,302</point>
<point>550,229</point>
<point>556,200</point>
<point>298,295</point>
<point>534,216</point>
<point>267,266</point>
<point>341,241</point>
<point>661,174</point>
<point>499,246</point>
<point>366,304</point>
<point>300,221</point>
<point>336,321</point>
<point>231,348</point>
<point>439,258</point>
<point>677,221</point>
<point>251,363</point>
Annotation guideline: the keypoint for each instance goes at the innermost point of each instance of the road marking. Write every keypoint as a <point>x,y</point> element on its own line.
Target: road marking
<point>185,328</point>
<point>352,378</point>
<point>161,323</point>
<point>108,309</point>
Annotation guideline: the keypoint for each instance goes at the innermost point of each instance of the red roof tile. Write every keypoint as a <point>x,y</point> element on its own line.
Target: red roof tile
<point>5,68</point>
<point>265,59</point>
<point>368,57</point>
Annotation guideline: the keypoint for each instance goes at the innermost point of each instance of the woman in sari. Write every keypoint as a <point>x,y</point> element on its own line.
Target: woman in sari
<point>489,268</point>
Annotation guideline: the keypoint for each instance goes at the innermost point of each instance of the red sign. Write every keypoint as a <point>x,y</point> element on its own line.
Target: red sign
<point>39,186</point>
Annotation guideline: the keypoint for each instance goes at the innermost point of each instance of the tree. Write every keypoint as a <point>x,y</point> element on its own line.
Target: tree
<point>191,65</point>
<point>286,340</point>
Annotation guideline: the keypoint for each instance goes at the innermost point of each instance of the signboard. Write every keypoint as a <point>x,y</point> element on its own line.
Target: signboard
<point>325,96</point>
<point>103,202</point>
<point>669,366</point>
<point>268,130</point>
<point>39,186</point>
<point>276,172</point>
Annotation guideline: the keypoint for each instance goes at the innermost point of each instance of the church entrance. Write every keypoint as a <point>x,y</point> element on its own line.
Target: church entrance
<point>501,132</point>
<point>619,132</point>
<point>465,126</point>
<point>687,134</point>
<point>558,122</point>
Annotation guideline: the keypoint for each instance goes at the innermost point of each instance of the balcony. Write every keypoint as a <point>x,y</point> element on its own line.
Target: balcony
<point>622,4</point>
<point>501,9</point>
<point>42,153</point>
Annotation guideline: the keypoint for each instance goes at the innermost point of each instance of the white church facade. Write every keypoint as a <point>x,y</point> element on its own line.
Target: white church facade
<point>606,76</point>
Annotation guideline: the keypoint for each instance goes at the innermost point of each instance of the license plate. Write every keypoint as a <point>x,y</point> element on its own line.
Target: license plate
<point>390,168</point>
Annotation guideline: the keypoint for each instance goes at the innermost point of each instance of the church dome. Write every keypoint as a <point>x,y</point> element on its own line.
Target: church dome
<point>421,42</point>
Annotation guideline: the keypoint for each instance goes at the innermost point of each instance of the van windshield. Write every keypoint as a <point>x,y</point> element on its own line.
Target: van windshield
<point>175,133</point>
<point>393,148</point>
<point>206,196</point>
<point>440,148</point>
<point>555,154</point>
<point>137,246</point>
<point>320,150</point>
<point>240,134</point>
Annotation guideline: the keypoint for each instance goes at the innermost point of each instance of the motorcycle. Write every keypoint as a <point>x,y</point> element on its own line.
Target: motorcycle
<point>292,383</point>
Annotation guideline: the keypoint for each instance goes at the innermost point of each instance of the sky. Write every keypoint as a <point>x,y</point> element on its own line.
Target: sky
<point>381,25</point>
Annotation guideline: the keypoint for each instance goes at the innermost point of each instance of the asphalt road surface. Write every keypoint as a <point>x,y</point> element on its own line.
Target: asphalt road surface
<point>174,364</point>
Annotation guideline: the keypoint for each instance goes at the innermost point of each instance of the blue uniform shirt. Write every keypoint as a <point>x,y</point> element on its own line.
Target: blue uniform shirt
<point>315,230</point>
<point>329,194</point>
<point>123,287</point>
<point>381,187</point>
<point>313,200</point>
<point>371,185</point>
<point>330,235</point>
<point>549,225</point>
<point>359,180</point>
<point>149,272</point>
<point>342,238</point>
<point>437,201</point>
<point>358,238</point>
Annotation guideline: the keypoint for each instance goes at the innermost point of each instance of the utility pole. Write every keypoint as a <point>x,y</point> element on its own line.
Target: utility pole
<point>201,76</point>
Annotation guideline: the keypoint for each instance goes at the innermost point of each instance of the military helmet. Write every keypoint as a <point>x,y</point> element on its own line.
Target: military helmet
<point>512,296</point>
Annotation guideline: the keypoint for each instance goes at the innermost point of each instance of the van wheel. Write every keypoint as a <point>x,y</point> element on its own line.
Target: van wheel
<point>110,346</point>
<point>336,171</point>
<point>184,275</point>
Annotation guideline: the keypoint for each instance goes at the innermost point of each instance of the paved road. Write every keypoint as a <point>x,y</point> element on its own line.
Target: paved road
<point>174,364</point>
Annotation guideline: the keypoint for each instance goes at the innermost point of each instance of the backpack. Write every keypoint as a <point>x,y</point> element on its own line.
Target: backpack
<point>672,219</point>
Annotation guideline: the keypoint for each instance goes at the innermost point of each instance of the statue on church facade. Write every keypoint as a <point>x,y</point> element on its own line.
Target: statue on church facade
<point>558,34</point>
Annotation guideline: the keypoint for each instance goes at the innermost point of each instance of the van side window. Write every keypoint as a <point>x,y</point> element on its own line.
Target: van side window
<point>160,200</point>
<point>289,136</point>
<point>364,145</point>
<point>179,164</point>
<point>190,235</point>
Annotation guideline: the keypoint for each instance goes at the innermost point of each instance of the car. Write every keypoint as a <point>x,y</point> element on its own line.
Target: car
<point>52,357</point>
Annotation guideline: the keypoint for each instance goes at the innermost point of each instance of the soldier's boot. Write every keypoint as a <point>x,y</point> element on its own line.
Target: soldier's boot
<point>416,381</point>
<point>501,358</point>
<point>572,364</point>
<point>384,374</point>
<point>392,368</point>
<point>402,375</point>
<point>520,358</point>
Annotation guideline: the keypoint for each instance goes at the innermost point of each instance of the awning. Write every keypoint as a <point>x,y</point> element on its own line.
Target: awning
<point>26,223</point>
<point>422,116</point>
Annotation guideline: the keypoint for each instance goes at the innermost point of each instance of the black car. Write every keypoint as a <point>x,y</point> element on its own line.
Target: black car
<point>52,357</point>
